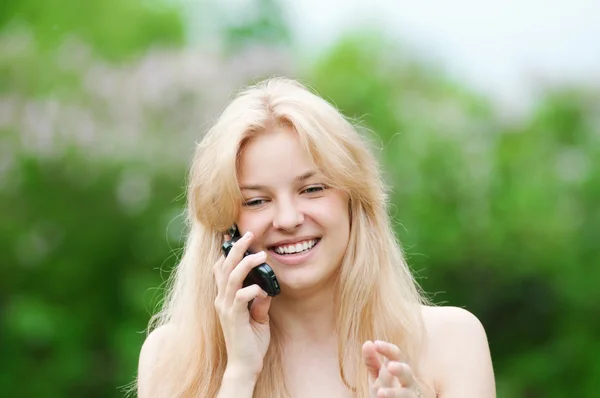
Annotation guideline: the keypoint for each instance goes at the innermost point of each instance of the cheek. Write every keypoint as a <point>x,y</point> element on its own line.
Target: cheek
<point>251,221</point>
<point>334,213</point>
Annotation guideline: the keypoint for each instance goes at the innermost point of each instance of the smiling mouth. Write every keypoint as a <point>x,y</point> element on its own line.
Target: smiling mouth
<point>297,248</point>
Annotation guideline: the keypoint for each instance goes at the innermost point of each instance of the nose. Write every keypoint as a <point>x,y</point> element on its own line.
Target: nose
<point>287,217</point>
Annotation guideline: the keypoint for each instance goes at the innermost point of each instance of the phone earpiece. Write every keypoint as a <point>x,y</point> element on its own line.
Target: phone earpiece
<point>233,231</point>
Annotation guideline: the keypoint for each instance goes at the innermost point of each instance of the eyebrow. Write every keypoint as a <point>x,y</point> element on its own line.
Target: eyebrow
<point>299,178</point>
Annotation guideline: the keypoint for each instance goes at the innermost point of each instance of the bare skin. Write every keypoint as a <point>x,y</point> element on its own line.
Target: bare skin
<point>285,200</point>
<point>456,363</point>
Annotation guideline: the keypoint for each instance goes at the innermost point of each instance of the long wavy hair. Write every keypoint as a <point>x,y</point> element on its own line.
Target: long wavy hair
<point>376,295</point>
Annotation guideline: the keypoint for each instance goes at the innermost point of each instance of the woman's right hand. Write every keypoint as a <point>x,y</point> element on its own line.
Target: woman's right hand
<point>247,332</point>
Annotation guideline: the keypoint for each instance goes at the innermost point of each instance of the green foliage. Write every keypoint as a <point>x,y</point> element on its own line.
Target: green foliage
<point>83,243</point>
<point>115,28</point>
<point>500,219</point>
<point>260,22</point>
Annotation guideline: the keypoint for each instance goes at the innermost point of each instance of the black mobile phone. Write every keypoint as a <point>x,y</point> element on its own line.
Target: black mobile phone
<point>261,275</point>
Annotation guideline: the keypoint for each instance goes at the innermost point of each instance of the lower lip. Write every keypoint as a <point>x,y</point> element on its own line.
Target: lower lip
<point>294,259</point>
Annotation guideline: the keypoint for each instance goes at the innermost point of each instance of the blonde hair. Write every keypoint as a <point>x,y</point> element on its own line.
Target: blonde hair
<point>376,295</point>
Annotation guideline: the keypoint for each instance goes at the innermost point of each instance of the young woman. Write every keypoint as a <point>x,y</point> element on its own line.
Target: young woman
<point>291,174</point>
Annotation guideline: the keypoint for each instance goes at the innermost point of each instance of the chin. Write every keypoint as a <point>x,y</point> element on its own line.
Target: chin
<point>304,280</point>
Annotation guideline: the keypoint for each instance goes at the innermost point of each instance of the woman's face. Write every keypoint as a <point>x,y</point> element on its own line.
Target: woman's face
<point>302,224</point>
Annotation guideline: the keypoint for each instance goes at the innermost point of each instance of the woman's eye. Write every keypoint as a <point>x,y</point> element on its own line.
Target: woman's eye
<point>254,202</point>
<point>314,188</point>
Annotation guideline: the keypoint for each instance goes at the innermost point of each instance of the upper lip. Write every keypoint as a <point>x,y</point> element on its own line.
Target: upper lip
<point>292,240</point>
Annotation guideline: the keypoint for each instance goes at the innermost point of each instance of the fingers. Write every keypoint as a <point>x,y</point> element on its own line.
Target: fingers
<point>259,310</point>
<point>244,296</point>
<point>386,378</point>
<point>402,382</point>
<point>218,273</point>
<point>395,367</point>
<point>224,265</point>
<point>403,373</point>
<point>240,272</point>
<point>237,252</point>
<point>389,377</point>
<point>393,392</point>
<point>371,359</point>
<point>230,273</point>
<point>388,350</point>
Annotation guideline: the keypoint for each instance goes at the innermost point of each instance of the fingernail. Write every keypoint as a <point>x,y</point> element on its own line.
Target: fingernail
<point>379,343</point>
<point>384,392</point>
<point>248,235</point>
<point>261,254</point>
<point>263,294</point>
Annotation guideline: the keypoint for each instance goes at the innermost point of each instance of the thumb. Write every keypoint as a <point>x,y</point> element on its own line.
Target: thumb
<point>371,359</point>
<point>259,311</point>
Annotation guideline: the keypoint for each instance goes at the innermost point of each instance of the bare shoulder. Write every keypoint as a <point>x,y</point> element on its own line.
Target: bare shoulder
<point>155,341</point>
<point>449,323</point>
<point>150,356</point>
<point>458,353</point>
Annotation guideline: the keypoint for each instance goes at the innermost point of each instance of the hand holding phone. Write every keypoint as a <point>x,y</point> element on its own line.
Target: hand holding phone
<point>262,275</point>
<point>243,310</point>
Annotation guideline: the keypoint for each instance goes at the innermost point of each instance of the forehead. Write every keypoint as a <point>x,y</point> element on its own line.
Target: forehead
<point>274,156</point>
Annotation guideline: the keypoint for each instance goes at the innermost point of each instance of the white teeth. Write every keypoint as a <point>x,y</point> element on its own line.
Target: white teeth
<point>295,248</point>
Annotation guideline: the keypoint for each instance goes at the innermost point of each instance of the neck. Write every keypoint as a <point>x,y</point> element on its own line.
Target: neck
<point>305,317</point>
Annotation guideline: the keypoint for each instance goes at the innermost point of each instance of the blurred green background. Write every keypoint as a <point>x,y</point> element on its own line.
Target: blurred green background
<point>101,104</point>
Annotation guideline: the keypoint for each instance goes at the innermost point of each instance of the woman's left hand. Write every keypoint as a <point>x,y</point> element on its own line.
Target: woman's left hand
<point>388,377</point>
